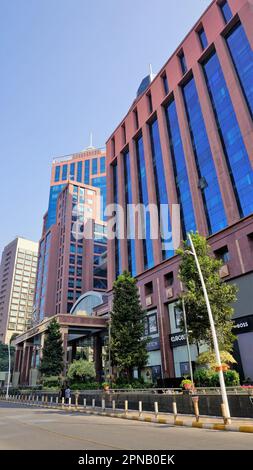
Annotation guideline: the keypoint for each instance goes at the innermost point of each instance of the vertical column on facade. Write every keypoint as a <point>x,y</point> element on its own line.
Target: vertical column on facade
<point>111,243</point>
<point>166,353</point>
<point>23,363</point>
<point>28,363</point>
<point>219,159</point>
<point>135,198</point>
<point>167,160</point>
<point>64,334</point>
<point>236,95</point>
<point>157,246</point>
<point>121,202</point>
<point>98,355</point>
<point>190,164</point>
<point>246,17</point>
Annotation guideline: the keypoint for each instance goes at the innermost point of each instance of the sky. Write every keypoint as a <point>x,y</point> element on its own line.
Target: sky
<point>69,67</point>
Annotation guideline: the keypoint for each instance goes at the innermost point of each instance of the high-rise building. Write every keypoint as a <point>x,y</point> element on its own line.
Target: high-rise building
<point>71,251</point>
<point>188,140</point>
<point>87,167</point>
<point>17,283</point>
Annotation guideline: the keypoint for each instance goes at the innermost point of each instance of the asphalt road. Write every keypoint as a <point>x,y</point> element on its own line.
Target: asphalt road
<point>23,427</point>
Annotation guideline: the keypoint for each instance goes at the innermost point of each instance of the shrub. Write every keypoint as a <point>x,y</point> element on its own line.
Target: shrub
<point>209,378</point>
<point>85,386</point>
<point>186,384</point>
<point>81,371</point>
<point>53,381</point>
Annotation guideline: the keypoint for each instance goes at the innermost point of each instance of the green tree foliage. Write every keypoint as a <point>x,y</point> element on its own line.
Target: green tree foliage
<point>52,358</point>
<point>81,370</point>
<point>128,345</point>
<point>4,357</point>
<point>221,295</point>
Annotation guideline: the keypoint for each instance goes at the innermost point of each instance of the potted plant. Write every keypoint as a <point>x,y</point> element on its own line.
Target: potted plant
<point>106,386</point>
<point>187,386</point>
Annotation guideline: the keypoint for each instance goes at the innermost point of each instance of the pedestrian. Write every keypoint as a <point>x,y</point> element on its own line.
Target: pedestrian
<point>67,394</point>
<point>62,392</point>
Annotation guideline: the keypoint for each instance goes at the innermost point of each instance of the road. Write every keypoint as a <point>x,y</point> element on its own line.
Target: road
<point>27,428</point>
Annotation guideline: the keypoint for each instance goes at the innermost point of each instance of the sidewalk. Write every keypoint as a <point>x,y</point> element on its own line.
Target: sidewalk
<point>205,422</point>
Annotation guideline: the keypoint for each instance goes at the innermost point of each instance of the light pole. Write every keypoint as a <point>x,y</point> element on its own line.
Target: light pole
<point>9,371</point>
<point>187,341</point>
<point>213,331</point>
<point>109,351</point>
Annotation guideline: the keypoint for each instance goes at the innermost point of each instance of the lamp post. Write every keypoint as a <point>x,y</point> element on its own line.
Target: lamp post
<point>187,341</point>
<point>9,371</point>
<point>109,352</point>
<point>213,331</point>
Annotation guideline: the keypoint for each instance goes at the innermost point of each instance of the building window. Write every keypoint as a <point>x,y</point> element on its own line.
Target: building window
<point>226,11</point>
<point>242,56</point>
<point>116,240</point>
<point>102,165</point>
<point>208,181</point>
<point>178,317</point>
<point>57,173</point>
<point>123,130</point>
<point>79,171</point>
<point>72,172</point>
<point>149,101</point>
<point>100,283</point>
<point>148,288</point>
<point>223,254</point>
<point>71,282</point>
<point>202,38</point>
<point>144,199</point>
<point>241,172</point>
<point>94,166</point>
<point>72,259</point>
<point>129,215</point>
<point>182,60</point>
<point>64,172</point>
<point>165,83</point>
<point>136,118</point>
<point>87,172</point>
<point>150,325</point>
<point>168,279</point>
<point>79,271</point>
<point>113,146</point>
<point>161,189</point>
<point>180,170</point>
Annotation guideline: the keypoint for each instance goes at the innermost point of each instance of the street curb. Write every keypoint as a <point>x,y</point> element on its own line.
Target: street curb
<point>146,419</point>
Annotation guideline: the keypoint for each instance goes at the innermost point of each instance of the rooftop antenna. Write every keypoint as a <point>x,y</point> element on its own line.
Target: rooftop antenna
<point>151,74</point>
<point>91,142</point>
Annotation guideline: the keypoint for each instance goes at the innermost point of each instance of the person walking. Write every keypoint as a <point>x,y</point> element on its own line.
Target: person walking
<point>67,394</point>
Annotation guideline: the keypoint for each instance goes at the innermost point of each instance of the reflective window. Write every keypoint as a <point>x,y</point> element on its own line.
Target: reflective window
<point>72,171</point>
<point>94,166</point>
<point>242,56</point>
<point>203,38</point>
<point>180,171</point>
<point>79,171</point>
<point>57,173</point>
<point>129,215</point>
<point>240,170</point>
<point>53,197</point>
<point>102,165</point>
<point>100,283</point>
<point>208,182</point>
<point>87,172</point>
<point>64,172</point>
<point>161,190</point>
<point>183,62</point>
<point>116,240</point>
<point>100,182</point>
<point>165,83</point>
<point>143,196</point>
<point>226,11</point>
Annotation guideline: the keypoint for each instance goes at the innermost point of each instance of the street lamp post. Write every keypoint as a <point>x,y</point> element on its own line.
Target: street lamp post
<point>9,372</point>
<point>109,351</point>
<point>187,341</point>
<point>213,331</point>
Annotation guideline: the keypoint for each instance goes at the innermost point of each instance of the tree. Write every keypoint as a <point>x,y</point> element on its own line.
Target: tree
<point>52,358</point>
<point>81,370</point>
<point>4,357</point>
<point>127,345</point>
<point>221,296</point>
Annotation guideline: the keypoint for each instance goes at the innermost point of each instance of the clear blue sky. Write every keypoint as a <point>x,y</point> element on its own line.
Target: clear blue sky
<point>68,67</point>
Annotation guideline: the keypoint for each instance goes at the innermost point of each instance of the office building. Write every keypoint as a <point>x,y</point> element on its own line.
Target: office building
<point>17,283</point>
<point>187,140</point>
